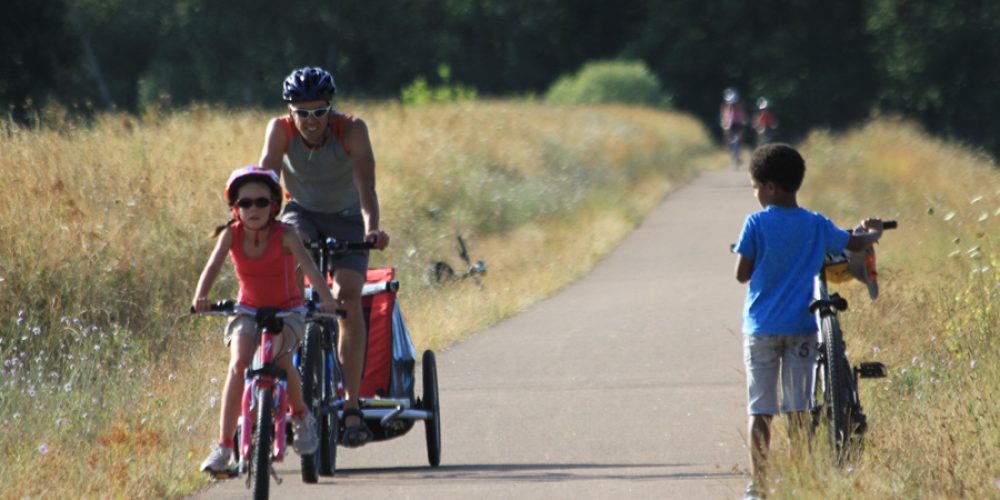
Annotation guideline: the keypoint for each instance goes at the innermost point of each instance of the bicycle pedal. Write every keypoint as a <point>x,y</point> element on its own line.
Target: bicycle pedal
<point>872,369</point>
<point>228,473</point>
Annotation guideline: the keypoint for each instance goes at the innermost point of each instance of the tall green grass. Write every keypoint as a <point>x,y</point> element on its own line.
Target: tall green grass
<point>935,422</point>
<point>109,388</point>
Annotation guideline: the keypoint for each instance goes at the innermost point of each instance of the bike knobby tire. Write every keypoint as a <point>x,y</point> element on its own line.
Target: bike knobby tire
<point>311,370</point>
<point>263,444</point>
<point>838,387</point>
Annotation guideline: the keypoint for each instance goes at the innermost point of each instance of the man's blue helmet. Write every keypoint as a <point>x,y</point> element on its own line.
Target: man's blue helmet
<point>309,84</point>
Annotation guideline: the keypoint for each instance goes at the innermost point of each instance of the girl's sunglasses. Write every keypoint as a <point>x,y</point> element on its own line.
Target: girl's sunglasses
<point>262,202</point>
<point>305,113</point>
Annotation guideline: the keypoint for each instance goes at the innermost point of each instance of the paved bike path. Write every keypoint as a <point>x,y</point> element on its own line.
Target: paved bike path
<point>627,384</point>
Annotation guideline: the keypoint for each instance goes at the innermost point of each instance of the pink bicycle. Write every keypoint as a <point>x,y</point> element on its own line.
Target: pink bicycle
<point>260,435</point>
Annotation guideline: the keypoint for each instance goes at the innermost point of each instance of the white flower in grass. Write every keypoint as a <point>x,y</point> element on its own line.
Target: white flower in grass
<point>37,331</point>
<point>212,402</point>
<point>949,216</point>
<point>43,448</point>
<point>97,347</point>
<point>214,380</point>
<point>68,387</point>
<point>60,422</point>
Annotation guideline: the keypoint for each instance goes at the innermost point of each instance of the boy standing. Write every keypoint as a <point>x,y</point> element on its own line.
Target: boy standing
<point>780,250</point>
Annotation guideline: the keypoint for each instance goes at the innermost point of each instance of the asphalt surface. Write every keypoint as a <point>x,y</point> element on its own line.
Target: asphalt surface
<point>627,384</point>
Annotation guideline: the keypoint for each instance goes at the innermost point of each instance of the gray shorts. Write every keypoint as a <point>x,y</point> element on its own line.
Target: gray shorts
<point>347,225</point>
<point>247,325</point>
<point>791,356</point>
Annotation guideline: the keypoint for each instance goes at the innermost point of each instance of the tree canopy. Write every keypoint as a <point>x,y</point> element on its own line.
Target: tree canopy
<point>819,64</point>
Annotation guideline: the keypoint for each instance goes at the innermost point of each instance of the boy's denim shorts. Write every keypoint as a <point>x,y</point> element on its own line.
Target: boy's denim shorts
<point>793,357</point>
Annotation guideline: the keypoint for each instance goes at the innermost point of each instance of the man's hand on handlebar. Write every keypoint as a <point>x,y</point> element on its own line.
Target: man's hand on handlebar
<point>378,238</point>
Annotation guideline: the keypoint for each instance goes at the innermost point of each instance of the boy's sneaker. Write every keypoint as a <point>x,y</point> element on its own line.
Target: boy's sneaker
<point>305,442</point>
<point>218,460</point>
<point>752,493</point>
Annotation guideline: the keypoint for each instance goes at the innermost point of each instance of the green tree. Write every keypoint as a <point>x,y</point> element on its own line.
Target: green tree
<point>937,62</point>
<point>38,49</point>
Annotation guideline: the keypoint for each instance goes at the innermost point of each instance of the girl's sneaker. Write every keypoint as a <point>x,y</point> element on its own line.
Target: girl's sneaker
<point>305,442</point>
<point>218,460</point>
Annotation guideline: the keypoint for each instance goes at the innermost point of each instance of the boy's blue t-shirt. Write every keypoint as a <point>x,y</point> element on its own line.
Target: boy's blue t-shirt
<point>787,246</point>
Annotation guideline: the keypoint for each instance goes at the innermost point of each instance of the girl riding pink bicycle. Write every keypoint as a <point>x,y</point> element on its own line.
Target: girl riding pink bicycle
<point>265,253</point>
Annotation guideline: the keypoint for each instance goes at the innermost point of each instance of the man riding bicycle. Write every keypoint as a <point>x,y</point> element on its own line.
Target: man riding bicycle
<point>326,161</point>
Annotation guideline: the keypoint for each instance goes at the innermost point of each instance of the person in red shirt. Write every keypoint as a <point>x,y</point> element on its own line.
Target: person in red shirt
<point>733,119</point>
<point>265,253</point>
<point>764,122</point>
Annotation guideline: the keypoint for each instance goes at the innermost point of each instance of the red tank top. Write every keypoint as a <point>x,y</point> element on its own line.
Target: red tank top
<point>268,280</point>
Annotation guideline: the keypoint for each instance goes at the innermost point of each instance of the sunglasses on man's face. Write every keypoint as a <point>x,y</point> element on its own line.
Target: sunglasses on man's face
<point>262,202</point>
<point>305,113</point>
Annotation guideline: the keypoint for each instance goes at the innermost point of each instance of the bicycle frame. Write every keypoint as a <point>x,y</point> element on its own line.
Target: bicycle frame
<point>263,374</point>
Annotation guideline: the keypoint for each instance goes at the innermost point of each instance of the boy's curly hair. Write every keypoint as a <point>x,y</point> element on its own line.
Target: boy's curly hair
<point>780,164</point>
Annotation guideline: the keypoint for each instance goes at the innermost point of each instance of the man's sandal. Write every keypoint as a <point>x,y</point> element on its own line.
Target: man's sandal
<point>355,435</point>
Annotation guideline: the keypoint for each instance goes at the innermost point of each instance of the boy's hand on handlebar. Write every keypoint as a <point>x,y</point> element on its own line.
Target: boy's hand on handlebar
<point>872,225</point>
<point>378,238</point>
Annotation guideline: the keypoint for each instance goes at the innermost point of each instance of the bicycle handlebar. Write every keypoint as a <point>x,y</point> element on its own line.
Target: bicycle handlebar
<point>332,245</point>
<point>230,308</point>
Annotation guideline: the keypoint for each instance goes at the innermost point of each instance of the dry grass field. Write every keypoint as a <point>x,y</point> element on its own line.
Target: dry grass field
<point>109,388</point>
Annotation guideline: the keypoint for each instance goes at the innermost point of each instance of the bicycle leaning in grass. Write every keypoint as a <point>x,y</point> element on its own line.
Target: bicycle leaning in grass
<point>836,401</point>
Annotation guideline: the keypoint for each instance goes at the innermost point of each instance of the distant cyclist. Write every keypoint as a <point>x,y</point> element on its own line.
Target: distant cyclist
<point>764,122</point>
<point>733,120</point>
<point>326,161</point>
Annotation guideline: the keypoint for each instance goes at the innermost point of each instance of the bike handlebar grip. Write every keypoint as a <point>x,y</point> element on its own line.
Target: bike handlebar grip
<point>393,286</point>
<point>889,224</point>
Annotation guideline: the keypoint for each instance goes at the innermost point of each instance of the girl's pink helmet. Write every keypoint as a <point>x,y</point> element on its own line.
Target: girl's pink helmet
<point>253,173</point>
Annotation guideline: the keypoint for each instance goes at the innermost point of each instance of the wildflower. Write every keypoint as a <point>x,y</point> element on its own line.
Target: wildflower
<point>31,392</point>
<point>972,364</point>
<point>215,380</point>
<point>171,376</point>
<point>914,360</point>
<point>43,448</point>
<point>949,216</point>
<point>975,200</point>
<point>190,429</point>
<point>211,402</point>
<point>97,347</point>
<point>60,422</point>
<point>17,415</point>
<point>68,387</point>
<point>36,330</point>
<point>876,350</point>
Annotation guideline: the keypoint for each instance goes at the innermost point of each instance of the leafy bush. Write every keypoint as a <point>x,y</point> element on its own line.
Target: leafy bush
<point>624,82</point>
<point>420,93</point>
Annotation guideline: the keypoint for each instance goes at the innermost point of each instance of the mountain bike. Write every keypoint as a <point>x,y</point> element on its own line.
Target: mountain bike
<point>264,409</point>
<point>319,365</point>
<point>836,401</point>
<point>386,401</point>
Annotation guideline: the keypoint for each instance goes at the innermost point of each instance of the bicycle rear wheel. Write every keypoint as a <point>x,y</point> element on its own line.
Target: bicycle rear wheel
<point>837,387</point>
<point>261,451</point>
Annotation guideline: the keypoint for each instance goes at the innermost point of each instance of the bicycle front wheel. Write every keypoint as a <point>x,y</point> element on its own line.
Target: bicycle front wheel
<point>261,452</point>
<point>312,391</point>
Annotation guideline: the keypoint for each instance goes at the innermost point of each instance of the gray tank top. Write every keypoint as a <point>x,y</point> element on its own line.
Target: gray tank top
<point>321,180</point>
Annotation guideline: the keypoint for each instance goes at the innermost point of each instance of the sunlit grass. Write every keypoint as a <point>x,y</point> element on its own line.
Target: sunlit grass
<point>935,422</point>
<point>108,387</point>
